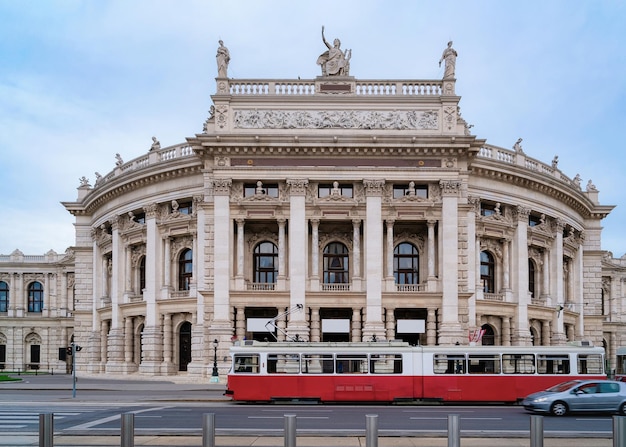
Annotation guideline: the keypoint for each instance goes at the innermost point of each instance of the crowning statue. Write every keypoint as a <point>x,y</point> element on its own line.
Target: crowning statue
<point>223,58</point>
<point>449,56</point>
<point>334,62</point>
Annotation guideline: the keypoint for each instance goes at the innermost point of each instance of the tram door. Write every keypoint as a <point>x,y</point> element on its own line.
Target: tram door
<point>184,346</point>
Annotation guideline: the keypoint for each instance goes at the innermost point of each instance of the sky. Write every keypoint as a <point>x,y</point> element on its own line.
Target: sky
<point>83,80</point>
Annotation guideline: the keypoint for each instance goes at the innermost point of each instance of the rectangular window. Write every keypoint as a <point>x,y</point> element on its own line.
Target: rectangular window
<point>484,364</point>
<point>351,363</point>
<point>386,364</point>
<point>553,364</point>
<point>246,363</point>
<point>283,363</point>
<point>270,190</point>
<point>590,364</point>
<point>334,190</point>
<point>400,191</point>
<point>317,364</point>
<point>518,363</point>
<point>449,364</point>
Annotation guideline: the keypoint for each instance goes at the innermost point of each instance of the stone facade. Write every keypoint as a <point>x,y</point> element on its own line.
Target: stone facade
<point>328,209</point>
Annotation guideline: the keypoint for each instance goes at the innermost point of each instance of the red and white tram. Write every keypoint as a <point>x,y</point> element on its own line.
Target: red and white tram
<point>395,371</point>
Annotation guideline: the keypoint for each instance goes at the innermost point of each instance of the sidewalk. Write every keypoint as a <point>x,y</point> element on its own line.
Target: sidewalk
<point>301,441</point>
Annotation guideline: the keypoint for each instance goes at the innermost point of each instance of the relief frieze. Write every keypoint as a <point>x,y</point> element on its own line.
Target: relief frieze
<point>337,119</point>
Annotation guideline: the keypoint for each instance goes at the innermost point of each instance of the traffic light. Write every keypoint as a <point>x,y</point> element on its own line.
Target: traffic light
<point>68,350</point>
<point>78,348</point>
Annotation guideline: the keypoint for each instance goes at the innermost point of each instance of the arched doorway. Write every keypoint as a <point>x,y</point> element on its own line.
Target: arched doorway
<point>489,337</point>
<point>184,346</point>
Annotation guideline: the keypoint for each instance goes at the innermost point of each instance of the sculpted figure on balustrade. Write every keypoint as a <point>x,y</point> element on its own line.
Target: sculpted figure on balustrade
<point>334,62</point>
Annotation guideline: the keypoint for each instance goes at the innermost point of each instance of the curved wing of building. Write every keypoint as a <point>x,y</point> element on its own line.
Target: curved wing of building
<point>331,209</point>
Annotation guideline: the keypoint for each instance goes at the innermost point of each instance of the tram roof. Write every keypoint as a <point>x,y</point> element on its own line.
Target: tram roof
<point>253,345</point>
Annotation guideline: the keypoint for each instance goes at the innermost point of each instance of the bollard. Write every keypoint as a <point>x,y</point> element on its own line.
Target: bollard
<point>46,430</point>
<point>128,430</point>
<point>454,432</point>
<point>371,430</point>
<point>290,430</point>
<point>536,431</point>
<point>619,431</point>
<point>208,430</point>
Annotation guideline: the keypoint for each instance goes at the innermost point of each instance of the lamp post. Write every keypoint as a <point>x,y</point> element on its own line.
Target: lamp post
<point>215,375</point>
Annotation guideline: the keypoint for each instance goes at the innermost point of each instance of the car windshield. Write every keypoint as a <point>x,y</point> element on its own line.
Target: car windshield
<point>563,386</point>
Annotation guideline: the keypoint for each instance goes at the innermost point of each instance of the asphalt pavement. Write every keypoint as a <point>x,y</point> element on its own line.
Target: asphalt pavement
<point>140,389</point>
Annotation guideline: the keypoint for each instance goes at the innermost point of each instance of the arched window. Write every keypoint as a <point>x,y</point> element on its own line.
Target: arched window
<point>185,269</point>
<point>4,296</point>
<point>405,264</point>
<point>265,263</point>
<point>336,264</point>
<point>531,277</point>
<point>35,297</point>
<point>142,274</point>
<point>487,272</point>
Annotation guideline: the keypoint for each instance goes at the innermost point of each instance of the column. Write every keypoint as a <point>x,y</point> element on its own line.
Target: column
<point>281,251</point>
<point>389,270</point>
<point>221,324</point>
<point>506,264</point>
<point>240,249</point>
<point>356,248</point>
<point>168,364</point>
<point>152,338</point>
<point>431,327</point>
<point>356,325</point>
<point>104,332</point>
<point>315,255</point>
<point>545,333</point>
<point>297,256</point>
<point>240,323</point>
<point>579,291</point>
<point>390,324</point>
<point>545,275</point>
<point>128,340</point>
<point>199,342</point>
<point>506,331</point>
<point>373,238</point>
<point>520,261</point>
<point>167,267</point>
<point>356,255</point>
<point>450,330</point>
<point>128,273</point>
<point>115,342</point>
<point>315,325</point>
<point>431,248</point>
<point>473,260</point>
<point>558,335</point>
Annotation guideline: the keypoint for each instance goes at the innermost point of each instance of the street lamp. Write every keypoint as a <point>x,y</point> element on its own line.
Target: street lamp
<point>215,375</point>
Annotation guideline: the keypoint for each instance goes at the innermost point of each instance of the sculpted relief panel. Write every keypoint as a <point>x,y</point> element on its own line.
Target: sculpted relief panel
<point>342,119</point>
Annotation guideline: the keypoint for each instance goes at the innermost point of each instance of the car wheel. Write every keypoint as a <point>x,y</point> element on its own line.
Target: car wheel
<point>622,409</point>
<point>558,409</point>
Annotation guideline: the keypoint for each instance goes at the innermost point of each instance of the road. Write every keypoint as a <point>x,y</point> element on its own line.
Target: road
<point>167,408</point>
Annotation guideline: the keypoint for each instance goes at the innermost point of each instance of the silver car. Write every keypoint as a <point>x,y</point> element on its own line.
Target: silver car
<point>579,395</point>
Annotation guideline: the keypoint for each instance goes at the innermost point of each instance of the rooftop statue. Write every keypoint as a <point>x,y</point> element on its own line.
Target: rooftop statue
<point>334,62</point>
<point>449,56</point>
<point>223,58</point>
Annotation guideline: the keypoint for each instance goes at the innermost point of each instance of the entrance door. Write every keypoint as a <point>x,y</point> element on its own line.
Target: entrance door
<point>184,346</point>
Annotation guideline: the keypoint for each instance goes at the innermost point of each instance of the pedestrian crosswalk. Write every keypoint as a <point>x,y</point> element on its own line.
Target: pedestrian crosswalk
<point>13,420</point>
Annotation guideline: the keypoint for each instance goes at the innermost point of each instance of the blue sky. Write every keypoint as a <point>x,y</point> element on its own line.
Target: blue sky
<point>83,80</point>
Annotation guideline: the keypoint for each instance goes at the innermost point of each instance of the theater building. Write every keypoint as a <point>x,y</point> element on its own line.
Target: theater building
<point>327,209</point>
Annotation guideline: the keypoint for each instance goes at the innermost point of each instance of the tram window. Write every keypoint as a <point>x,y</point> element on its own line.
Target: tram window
<point>518,363</point>
<point>283,363</point>
<point>449,364</point>
<point>590,364</point>
<point>317,364</point>
<point>386,364</point>
<point>351,363</point>
<point>553,364</point>
<point>484,364</point>
<point>246,363</point>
